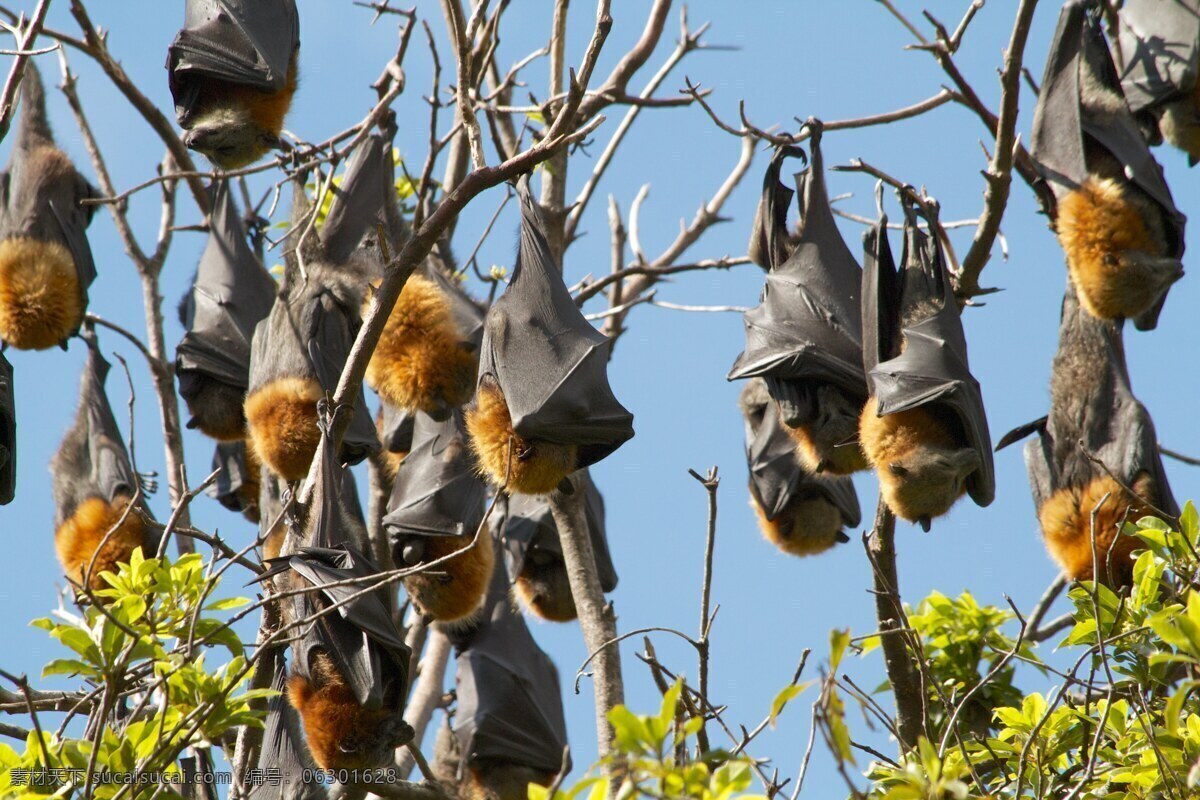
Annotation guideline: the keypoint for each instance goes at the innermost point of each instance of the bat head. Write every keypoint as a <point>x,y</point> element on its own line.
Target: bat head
<point>927,481</point>
<point>230,138</point>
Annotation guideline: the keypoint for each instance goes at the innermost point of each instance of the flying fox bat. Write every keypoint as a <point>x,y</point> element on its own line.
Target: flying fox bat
<point>509,725</point>
<point>97,522</point>
<point>231,295</point>
<point>1093,415</point>
<point>805,337</point>
<point>238,478</point>
<point>232,72</point>
<point>350,666</point>
<point>284,751</point>
<point>46,263</point>
<point>8,433</point>
<point>923,428</point>
<point>543,377</point>
<point>534,555</point>
<point>436,509</point>
<point>1157,51</point>
<point>299,351</point>
<point>798,512</point>
<point>1115,219</point>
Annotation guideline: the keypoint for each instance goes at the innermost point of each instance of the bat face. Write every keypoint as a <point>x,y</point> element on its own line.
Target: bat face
<point>231,294</point>
<point>543,377</point>
<point>8,433</point>
<point>232,72</point>
<point>45,261</point>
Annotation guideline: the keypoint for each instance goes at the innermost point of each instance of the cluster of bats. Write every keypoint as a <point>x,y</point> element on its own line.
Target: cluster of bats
<point>853,368</point>
<point>509,404</point>
<point>849,368</point>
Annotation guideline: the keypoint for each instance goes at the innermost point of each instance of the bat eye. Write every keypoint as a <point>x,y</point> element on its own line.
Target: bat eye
<point>898,470</point>
<point>413,552</point>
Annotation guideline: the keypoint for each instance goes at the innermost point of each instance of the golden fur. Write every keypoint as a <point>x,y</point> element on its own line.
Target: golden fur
<point>80,536</point>
<point>456,592</point>
<point>40,301</point>
<point>248,494</point>
<point>1180,123</point>
<point>922,469</point>
<point>282,419</point>
<point>340,733</point>
<point>419,363</point>
<point>809,525</point>
<point>1110,249</point>
<point>822,451</point>
<point>537,466</point>
<point>238,124</point>
<point>488,780</point>
<point>545,590</point>
<point>1066,520</point>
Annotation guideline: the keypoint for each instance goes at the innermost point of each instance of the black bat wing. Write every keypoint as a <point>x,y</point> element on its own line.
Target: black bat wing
<point>509,699</point>
<point>880,298</point>
<point>437,490</point>
<point>808,326</point>
<point>232,293</point>
<point>248,42</point>
<point>933,367</point>
<point>72,221</point>
<point>229,461</point>
<point>329,339</point>
<point>111,471</point>
<point>361,198</point>
<point>769,245</point>
<point>396,428</point>
<point>551,364</point>
<point>1158,50</point>
<point>284,753</point>
<point>8,433</point>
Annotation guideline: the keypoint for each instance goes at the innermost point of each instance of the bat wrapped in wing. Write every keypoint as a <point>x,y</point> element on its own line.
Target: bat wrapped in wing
<point>395,429</point>
<point>436,509</point>
<point>284,759</point>
<point>238,478</point>
<point>534,554</point>
<point>923,429</point>
<point>232,72</point>
<point>99,516</point>
<point>8,433</point>
<point>300,349</point>
<point>798,512</point>
<point>1096,453</point>
<point>231,294</point>
<point>350,665</point>
<point>1113,213</point>
<point>543,395</point>
<point>805,337</point>
<point>1157,51</point>
<point>46,263</point>
<point>509,725</point>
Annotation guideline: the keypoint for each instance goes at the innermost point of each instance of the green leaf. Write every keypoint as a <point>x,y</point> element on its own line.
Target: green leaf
<point>783,698</point>
<point>227,604</point>
<point>1174,708</point>
<point>69,666</point>
<point>838,641</point>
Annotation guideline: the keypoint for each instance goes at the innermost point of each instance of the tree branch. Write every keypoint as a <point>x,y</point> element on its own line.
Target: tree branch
<point>25,41</point>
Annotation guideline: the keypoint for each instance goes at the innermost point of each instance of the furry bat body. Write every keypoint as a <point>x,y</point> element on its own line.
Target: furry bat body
<point>231,294</point>
<point>798,512</point>
<point>805,337</point>
<point>923,429</point>
<point>543,395</point>
<point>97,522</point>
<point>1093,411</point>
<point>1115,219</point>
<point>436,509</point>
<point>233,73</point>
<point>46,263</point>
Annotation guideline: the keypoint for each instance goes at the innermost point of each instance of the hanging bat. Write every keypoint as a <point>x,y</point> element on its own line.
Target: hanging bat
<point>543,377</point>
<point>395,428</point>
<point>284,752</point>
<point>97,522</point>
<point>534,555</point>
<point>1114,216</point>
<point>232,72</point>
<point>1093,414</point>
<point>805,337</point>
<point>350,666</point>
<point>46,263</point>
<point>231,295</point>
<point>436,509</point>
<point>1157,50</point>
<point>798,512</point>
<point>923,428</point>
<point>509,725</point>
<point>8,433</point>
<point>299,350</point>
<point>238,478</point>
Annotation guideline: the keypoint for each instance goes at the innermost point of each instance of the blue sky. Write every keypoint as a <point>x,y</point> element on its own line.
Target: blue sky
<point>795,58</point>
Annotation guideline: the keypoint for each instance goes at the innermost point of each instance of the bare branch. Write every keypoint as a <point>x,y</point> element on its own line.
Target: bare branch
<point>23,50</point>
